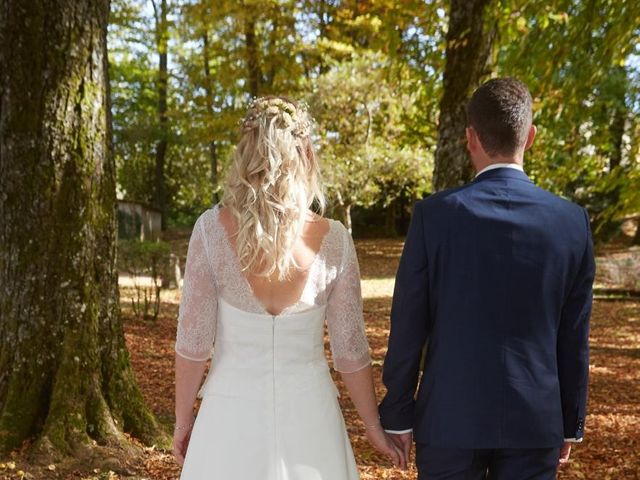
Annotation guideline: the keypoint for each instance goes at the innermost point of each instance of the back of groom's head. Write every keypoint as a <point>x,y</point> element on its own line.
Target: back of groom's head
<point>500,113</point>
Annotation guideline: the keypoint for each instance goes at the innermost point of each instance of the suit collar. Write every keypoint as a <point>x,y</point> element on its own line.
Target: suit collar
<point>515,166</point>
<point>502,173</point>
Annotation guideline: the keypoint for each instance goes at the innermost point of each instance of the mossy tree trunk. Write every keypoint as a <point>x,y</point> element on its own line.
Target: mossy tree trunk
<point>469,40</point>
<point>65,376</point>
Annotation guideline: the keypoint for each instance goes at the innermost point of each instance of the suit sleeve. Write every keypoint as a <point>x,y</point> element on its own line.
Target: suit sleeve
<point>409,326</point>
<point>573,344</point>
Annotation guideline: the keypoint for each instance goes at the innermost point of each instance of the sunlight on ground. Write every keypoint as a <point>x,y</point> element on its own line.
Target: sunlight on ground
<point>378,287</point>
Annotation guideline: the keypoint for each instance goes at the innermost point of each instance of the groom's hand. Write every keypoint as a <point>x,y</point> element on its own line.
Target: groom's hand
<point>565,451</point>
<point>403,441</point>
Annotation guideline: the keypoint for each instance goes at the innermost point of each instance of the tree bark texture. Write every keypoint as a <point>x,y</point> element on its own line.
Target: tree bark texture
<point>469,40</point>
<point>65,376</point>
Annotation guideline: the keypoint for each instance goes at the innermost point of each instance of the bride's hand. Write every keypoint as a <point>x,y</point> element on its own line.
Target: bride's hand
<point>181,437</point>
<point>383,444</point>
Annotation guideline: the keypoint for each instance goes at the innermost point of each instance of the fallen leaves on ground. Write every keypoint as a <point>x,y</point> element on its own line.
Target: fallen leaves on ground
<point>610,451</point>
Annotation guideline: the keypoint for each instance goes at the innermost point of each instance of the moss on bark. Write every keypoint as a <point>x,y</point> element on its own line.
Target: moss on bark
<point>65,378</point>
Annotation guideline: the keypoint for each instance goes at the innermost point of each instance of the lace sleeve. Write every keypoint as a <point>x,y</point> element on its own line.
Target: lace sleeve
<point>349,346</point>
<point>198,305</point>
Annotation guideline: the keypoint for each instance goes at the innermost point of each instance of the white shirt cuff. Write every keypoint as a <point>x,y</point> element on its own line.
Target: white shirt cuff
<point>573,440</point>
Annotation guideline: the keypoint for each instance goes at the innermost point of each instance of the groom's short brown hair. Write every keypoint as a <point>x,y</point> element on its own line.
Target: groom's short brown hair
<point>500,113</point>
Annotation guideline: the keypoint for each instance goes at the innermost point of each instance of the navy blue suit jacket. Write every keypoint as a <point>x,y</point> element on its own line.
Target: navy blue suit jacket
<point>496,280</point>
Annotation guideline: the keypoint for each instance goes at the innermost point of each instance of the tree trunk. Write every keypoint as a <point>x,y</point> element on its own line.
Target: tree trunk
<point>273,47</point>
<point>469,44</point>
<point>253,64</point>
<point>160,190</point>
<point>322,11</point>
<point>345,214</point>
<point>213,170</point>
<point>213,147</point>
<point>391,218</point>
<point>65,376</point>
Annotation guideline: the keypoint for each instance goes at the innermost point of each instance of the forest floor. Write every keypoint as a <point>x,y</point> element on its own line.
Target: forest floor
<point>611,449</point>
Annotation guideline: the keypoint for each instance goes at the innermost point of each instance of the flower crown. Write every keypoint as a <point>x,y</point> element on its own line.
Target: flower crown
<point>292,117</point>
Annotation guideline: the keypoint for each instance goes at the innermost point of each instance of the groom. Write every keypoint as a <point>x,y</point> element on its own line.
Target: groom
<point>494,285</point>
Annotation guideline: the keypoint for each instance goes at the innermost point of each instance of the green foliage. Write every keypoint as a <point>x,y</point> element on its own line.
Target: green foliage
<point>142,261</point>
<point>372,72</point>
<point>575,57</point>
<point>133,98</point>
<point>367,152</point>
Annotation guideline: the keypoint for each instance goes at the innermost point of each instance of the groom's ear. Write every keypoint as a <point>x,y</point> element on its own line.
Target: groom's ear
<point>472,139</point>
<point>530,137</point>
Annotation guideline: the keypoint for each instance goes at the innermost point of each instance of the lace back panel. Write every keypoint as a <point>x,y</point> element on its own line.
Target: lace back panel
<point>213,271</point>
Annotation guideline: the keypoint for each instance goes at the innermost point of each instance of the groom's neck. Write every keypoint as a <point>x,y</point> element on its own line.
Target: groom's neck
<point>483,162</point>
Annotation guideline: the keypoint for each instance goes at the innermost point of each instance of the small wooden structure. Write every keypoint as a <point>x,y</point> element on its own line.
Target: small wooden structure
<point>138,220</point>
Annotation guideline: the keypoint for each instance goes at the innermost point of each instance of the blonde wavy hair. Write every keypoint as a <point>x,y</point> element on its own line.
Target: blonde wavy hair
<point>273,181</point>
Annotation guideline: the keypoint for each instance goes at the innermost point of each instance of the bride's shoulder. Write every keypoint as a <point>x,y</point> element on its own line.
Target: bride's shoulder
<point>326,227</point>
<point>206,215</point>
<point>335,243</point>
<point>208,220</point>
<point>338,229</point>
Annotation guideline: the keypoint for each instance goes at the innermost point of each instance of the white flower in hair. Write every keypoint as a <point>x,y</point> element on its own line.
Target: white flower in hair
<point>294,118</point>
<point>288,121</point>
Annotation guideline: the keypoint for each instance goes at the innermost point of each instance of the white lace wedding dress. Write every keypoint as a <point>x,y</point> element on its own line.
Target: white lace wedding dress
<point>269,405</point>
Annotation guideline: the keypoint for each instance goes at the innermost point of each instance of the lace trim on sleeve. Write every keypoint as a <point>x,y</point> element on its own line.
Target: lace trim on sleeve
<point>349,345</point>
<point>198,304</point>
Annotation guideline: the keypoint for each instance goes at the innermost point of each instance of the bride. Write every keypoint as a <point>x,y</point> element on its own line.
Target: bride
<point>263,275</point>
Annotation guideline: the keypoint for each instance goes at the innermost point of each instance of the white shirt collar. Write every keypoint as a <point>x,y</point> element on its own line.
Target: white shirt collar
<point>493,166</point>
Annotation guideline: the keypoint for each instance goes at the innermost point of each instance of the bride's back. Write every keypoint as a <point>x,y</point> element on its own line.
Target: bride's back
<point>263,251</point>
<point>274,293</point>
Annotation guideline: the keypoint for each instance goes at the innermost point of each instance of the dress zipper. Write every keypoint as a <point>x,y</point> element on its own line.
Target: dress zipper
<point>273,377</point>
